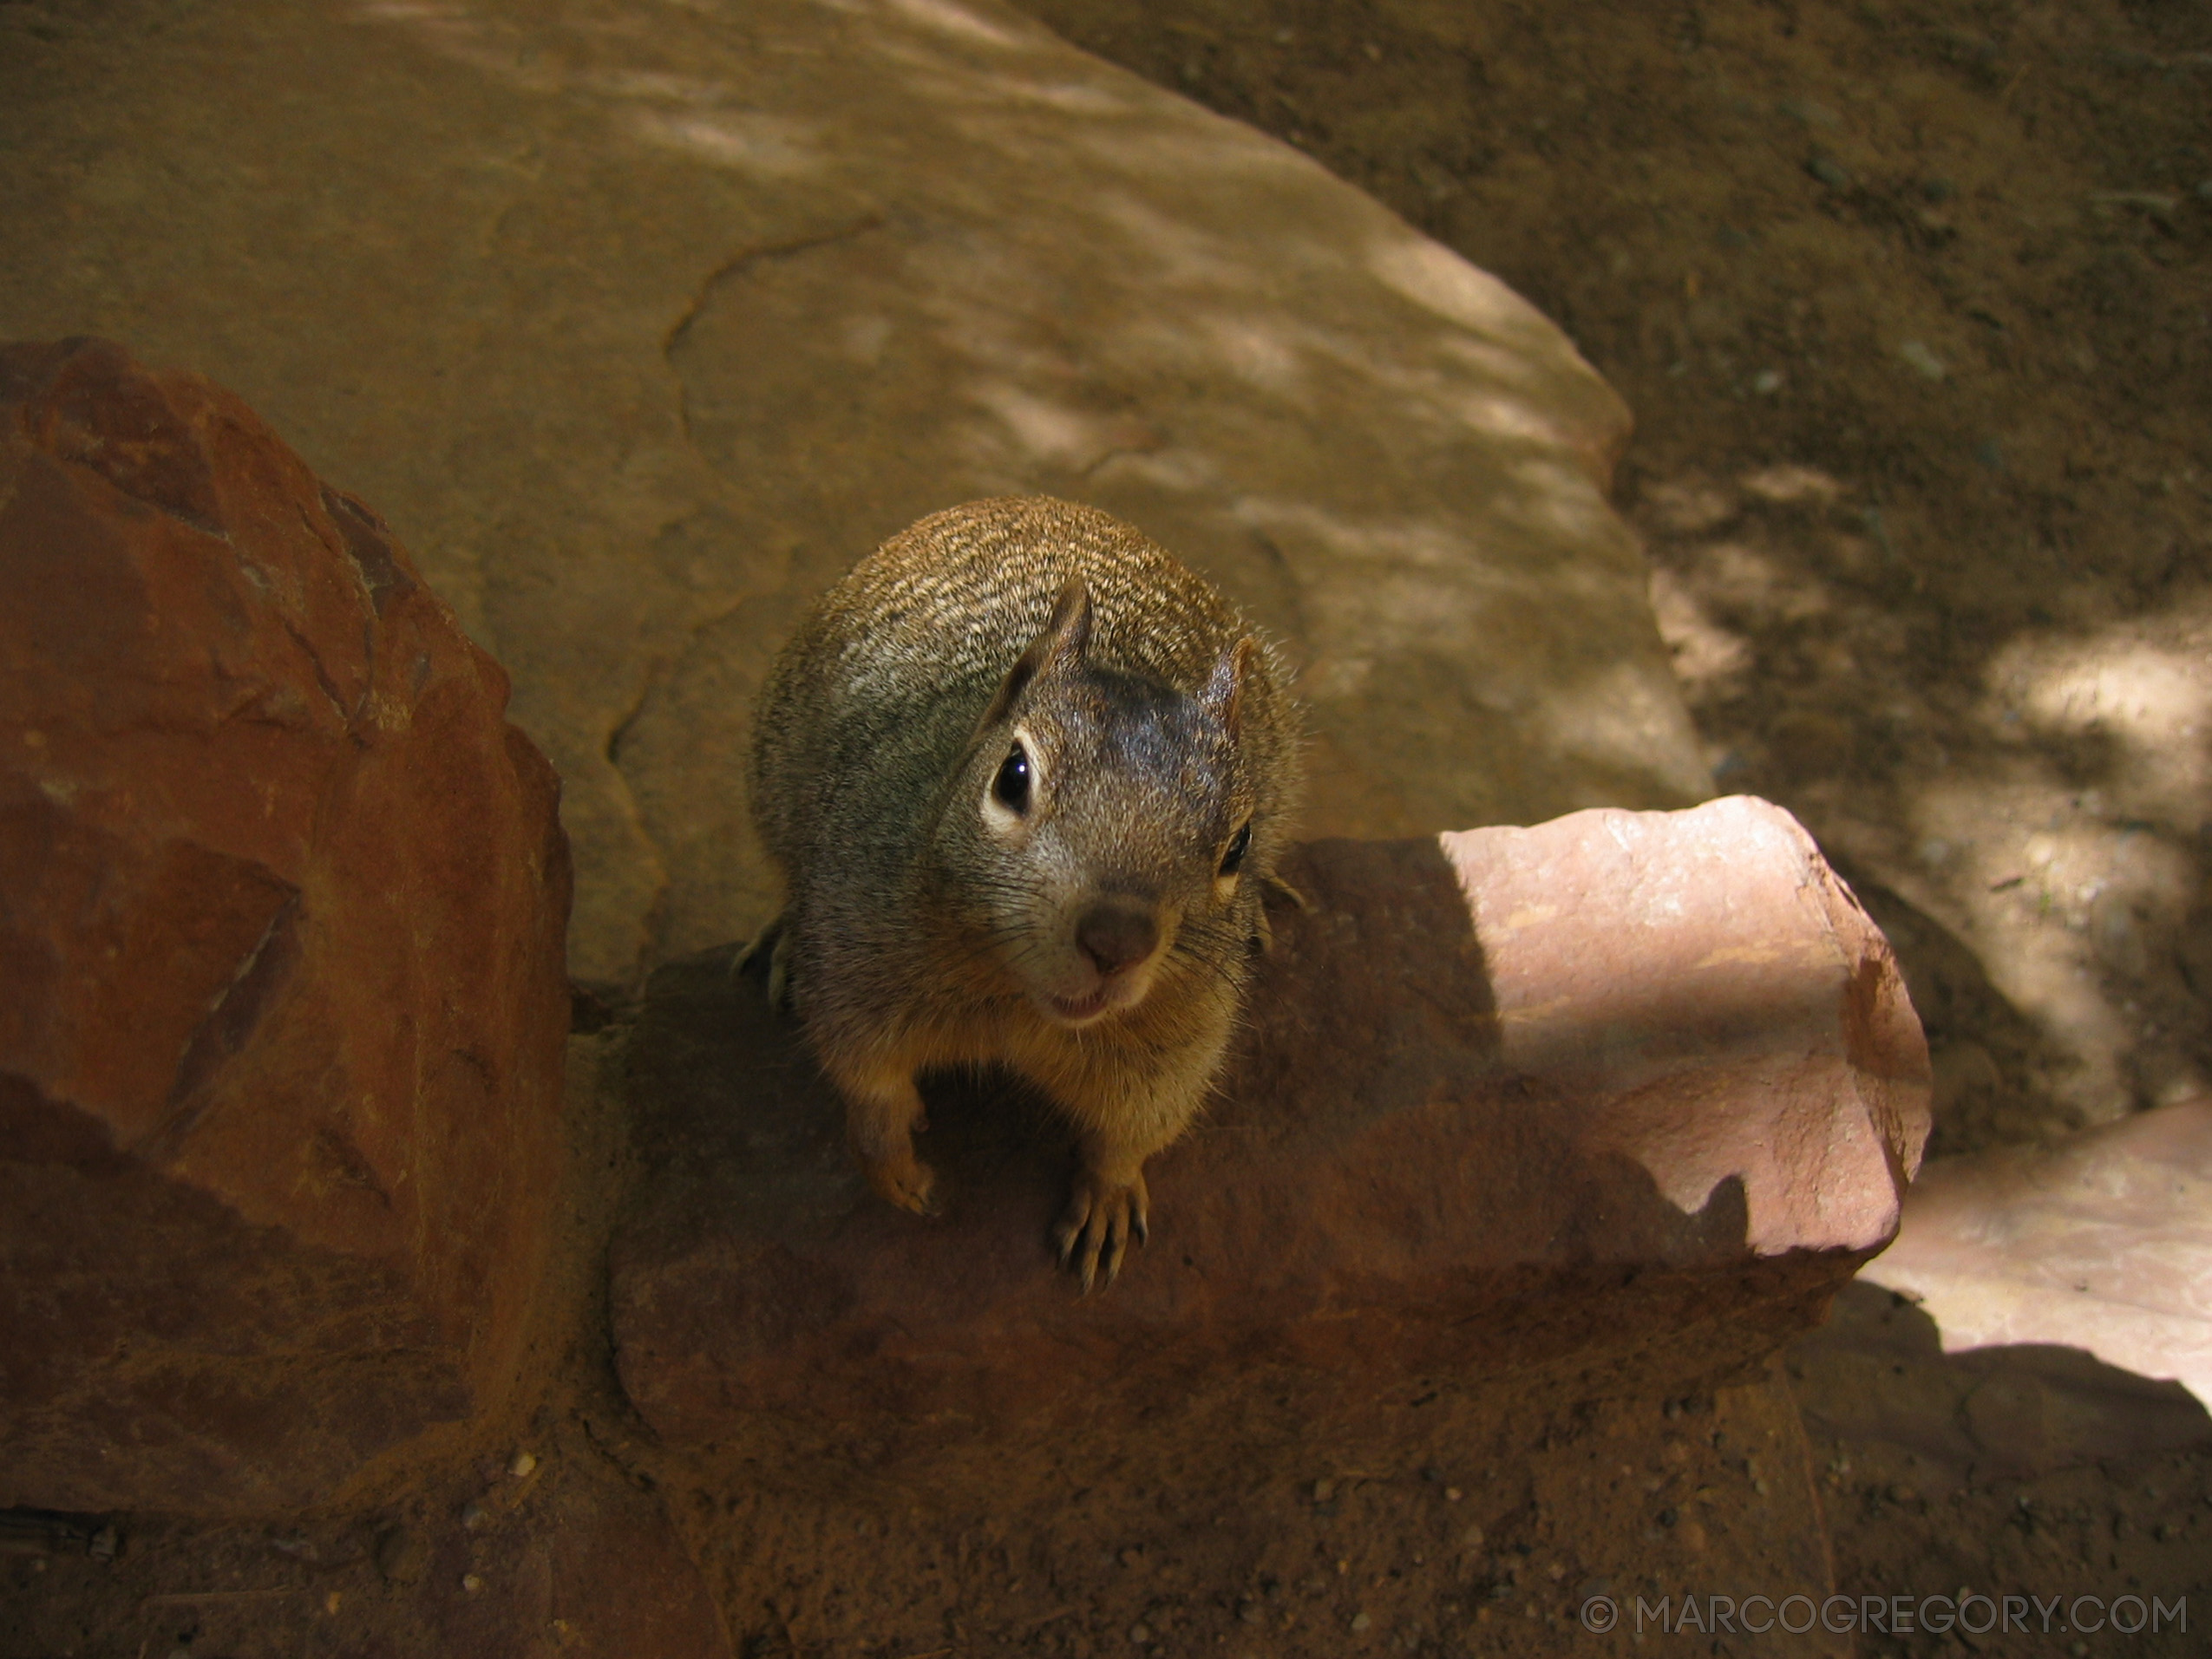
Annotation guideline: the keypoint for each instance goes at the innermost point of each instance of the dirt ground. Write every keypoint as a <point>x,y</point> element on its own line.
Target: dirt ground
<point>1913,306</point>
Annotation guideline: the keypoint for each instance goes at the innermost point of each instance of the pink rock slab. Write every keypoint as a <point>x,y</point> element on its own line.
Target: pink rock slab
<point>1623,1094</point>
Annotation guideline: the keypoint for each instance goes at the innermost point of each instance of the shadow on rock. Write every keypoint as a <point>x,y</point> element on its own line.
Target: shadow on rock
<point>1421,1175</point>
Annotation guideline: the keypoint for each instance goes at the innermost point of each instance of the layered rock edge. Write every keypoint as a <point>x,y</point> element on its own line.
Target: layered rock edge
<point>282,1006</point>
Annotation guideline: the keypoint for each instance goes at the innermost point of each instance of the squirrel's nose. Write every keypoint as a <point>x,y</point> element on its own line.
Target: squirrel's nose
<point>1116,935</point>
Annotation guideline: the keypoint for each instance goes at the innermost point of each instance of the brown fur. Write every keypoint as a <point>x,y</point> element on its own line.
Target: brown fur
<point>928,924</point>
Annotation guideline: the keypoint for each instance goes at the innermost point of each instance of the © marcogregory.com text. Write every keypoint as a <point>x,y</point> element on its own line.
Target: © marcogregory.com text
<point>1972,1612</point>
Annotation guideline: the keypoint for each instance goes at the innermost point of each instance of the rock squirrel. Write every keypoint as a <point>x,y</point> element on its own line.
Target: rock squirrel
<point>1026,776</point>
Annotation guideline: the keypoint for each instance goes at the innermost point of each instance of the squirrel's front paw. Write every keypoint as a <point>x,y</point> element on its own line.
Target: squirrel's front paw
<point>904,1180</point>
<point>1101,1215</point>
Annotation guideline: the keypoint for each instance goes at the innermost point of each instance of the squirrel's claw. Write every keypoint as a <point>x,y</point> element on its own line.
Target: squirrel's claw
<point>1095,1229</point>
<point>773,941</point>
<point>904,1180</point>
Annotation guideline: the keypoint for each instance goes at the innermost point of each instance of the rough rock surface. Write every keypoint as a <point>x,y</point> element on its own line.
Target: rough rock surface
<point>568,1557</point>
<point>281,1004</point>
<point>2102,1244</point>
<point>1513,1104</point>
<point>641,321</point>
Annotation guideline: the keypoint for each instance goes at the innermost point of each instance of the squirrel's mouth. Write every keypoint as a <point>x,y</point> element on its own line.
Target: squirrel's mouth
<point>1081,1011</point>
<point>1110,996</point>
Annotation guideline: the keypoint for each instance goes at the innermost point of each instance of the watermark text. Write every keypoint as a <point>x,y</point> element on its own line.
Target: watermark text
<point>1688,1614</point>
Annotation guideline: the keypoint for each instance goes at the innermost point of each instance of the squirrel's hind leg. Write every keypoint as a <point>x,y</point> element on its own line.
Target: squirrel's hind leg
<point>882,1110</point>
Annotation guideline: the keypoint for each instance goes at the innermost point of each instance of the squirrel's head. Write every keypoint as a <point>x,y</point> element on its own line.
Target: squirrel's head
<point>1100,833</point>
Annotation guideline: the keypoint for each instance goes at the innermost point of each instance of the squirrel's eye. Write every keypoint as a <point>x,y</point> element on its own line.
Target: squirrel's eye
<point>1238,847</point>
<point>1011,785</point>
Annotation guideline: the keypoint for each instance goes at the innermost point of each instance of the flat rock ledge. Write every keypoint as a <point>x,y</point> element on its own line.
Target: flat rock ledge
<point>642,320</point>
<point>1613,1102</point>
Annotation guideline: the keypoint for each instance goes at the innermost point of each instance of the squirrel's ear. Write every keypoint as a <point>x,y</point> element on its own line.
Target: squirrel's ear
<point>1064,641</point>
<point>1224,693</point>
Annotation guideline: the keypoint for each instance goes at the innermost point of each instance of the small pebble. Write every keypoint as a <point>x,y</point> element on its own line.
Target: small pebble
<point>1324,1490</point>
<point>1766,383</point>
<point>471,1583</point>
<point>1828,171</point>
<point>472,1516</point>
<point>1360,1622</point>
<point>523,1462</point>
<point>1138,1635</point>
<point>1923,360</point>
<point>1452,1494</point>
<point>400,1555</point>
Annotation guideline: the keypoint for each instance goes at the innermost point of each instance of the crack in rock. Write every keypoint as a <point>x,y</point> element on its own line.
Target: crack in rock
<point>672,342</point>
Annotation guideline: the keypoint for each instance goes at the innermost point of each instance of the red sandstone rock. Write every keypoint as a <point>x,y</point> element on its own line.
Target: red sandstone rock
<point>281,998</point>
<point>1717,1003</point>
<point>1622,1095</point>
